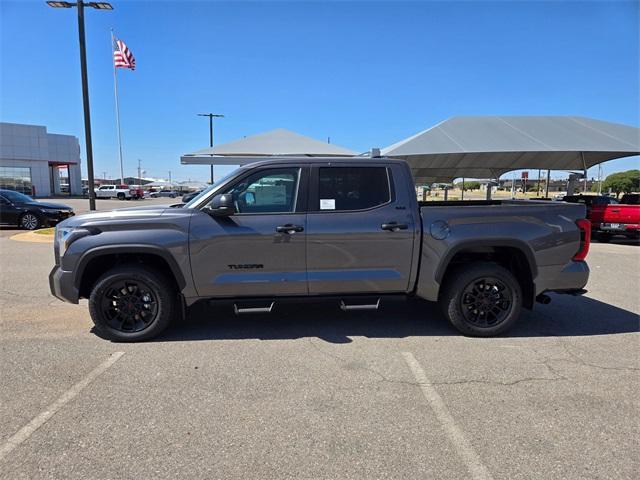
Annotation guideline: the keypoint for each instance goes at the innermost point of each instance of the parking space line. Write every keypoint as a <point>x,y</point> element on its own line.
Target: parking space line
<point>25,432</point>
<point>466,451</point>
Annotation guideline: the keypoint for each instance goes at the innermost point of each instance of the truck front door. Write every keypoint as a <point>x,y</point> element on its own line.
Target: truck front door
<point>260,249</point>
<point>360,230</point>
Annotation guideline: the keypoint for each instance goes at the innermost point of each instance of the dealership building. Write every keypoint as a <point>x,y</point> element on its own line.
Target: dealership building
<point>36,162</point>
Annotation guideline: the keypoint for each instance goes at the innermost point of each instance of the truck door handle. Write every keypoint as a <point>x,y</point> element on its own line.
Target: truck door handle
<point>617,210</point>
<point>289,228</point>
<point>394,226</point>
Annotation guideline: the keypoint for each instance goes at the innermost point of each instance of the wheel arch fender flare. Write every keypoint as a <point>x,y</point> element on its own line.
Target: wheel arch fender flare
<point>128,249</point>
<point>488,243</point>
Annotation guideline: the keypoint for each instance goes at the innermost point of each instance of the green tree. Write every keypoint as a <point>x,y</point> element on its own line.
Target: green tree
<point>622,182</point>
<point>469,185</point>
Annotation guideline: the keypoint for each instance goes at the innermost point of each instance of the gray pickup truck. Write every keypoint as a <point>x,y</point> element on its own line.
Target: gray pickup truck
<point>349,230</point>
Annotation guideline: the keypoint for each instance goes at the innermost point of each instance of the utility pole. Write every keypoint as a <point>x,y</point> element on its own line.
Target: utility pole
<point>600,179</point>
<point>546,195</point>
<point>211,117</point>
<point>139,174</point>
<point>170,184</point>
<point>85,84</point>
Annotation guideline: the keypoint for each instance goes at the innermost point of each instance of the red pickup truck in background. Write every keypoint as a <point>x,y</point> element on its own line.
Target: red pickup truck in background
<point>609,217</point>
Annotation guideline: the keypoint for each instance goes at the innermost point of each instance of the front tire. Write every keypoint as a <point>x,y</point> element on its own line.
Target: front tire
<point>132,303</point>
<point>30,221</point>
<point>481,300</point>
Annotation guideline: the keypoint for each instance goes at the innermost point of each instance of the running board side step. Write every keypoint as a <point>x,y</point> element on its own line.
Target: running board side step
<point>240,309</point>
<point>359,306</point>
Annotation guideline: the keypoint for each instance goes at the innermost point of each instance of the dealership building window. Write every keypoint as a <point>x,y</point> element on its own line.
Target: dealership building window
<point>16,178</point>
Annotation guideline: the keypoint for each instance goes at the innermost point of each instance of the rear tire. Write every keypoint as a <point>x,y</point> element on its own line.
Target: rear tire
<point>121,196</point>
<point>481,300</point>
<point>131,303</point>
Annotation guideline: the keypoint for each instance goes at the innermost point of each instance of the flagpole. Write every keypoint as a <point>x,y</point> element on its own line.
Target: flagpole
<point>115,91</point>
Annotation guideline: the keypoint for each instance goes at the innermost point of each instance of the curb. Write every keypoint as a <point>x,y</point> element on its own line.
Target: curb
<point>32,237</point>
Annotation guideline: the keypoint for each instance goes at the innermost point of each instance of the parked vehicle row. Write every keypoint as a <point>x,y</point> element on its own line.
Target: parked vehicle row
<point>18,209</point>
<point>131,192</point>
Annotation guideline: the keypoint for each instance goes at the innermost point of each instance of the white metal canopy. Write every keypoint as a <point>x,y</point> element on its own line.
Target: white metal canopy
<point>481,146</point>
<point>465,146</point>
<point>278,142</point>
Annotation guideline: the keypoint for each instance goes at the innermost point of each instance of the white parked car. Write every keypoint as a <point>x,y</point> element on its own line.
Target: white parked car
<point>121,192</point>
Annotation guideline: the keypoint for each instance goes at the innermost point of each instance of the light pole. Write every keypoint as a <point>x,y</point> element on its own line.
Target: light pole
<point>211,117</point>
<point>85,84</point>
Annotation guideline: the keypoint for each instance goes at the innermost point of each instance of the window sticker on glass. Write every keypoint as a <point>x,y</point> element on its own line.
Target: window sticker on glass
<point>327,204</point>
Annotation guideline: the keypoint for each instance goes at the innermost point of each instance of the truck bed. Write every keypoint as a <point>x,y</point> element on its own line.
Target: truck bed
<point>545,231</point>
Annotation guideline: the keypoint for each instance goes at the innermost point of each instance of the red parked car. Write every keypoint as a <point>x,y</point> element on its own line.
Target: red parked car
<point>609,217</point>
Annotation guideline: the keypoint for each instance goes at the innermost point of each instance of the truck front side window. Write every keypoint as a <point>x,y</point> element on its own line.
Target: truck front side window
<point>267,191</point>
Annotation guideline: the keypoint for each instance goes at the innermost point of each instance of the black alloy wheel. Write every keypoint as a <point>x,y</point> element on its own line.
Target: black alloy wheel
<point>129,306</point>
<point>486,302</point>
<point>132,302</point>
<point>481,299</point>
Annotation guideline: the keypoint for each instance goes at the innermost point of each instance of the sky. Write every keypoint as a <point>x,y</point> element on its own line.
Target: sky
<point>365,74</point>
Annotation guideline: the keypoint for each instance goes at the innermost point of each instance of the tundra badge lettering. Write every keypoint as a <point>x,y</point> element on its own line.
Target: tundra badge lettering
<point>239,266</point>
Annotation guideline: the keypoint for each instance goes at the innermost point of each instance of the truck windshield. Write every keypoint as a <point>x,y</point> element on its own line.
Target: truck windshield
<point>215,185</point>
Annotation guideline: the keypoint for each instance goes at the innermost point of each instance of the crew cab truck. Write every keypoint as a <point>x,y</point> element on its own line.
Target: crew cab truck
<point>121,192</point>
<point>350,230</point>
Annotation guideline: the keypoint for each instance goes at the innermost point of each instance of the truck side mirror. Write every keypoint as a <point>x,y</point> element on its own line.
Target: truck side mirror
<point>221,205</point>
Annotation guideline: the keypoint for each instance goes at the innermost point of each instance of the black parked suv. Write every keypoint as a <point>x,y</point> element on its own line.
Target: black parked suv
<point>19,209</point>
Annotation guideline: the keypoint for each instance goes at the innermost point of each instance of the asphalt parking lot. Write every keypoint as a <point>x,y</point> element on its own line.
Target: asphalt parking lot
<point>310,392</point>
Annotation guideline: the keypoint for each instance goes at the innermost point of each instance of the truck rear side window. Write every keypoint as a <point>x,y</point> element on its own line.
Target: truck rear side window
<point>352,188</point>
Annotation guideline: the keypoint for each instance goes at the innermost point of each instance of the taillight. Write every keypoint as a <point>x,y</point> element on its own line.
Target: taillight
<point>585,239</point>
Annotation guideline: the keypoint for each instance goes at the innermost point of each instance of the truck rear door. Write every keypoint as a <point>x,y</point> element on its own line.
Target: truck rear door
<point>360,230</point>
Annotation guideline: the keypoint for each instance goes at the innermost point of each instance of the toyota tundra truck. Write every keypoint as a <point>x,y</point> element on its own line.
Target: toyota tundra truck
<point>349,230</point>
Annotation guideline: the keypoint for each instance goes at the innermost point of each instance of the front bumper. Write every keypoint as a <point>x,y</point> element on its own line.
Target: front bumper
<point>53,218</point>
<point>62,286</point>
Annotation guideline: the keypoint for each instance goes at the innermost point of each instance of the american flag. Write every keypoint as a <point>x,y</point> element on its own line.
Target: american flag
<point>122,56</point>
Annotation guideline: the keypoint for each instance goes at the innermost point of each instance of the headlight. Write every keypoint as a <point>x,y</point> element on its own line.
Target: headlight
<point>65,236</point>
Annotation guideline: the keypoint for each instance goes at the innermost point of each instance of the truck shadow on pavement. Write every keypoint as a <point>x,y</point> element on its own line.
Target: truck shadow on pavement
<point>565,316</point>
